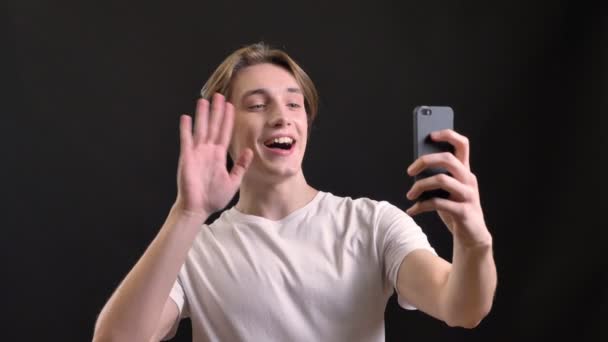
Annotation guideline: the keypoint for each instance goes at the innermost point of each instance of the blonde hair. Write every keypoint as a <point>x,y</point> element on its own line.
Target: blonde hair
<point>258,53</point>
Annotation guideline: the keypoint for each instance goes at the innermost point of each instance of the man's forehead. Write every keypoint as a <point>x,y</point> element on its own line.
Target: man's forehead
<point>264,78</point>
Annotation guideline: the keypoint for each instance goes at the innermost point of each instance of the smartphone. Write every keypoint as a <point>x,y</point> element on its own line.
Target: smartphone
<point>428,119</point>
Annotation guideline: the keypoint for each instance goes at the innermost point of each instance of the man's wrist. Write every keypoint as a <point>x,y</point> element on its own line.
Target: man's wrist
<point>178,209</point>
<point>477,243</point>
<point>180,214</point>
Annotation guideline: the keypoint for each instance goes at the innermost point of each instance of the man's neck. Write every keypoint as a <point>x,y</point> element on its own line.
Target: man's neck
<point>274,201</point>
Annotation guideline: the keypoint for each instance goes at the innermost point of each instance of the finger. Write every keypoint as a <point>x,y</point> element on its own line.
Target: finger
<point>185,132</point>
<point>217,112</point>
<point>201,125</point>
<point>433,204</point>
<point>226,125</point>
<point>459,141</point>
<point>241,165</point>
<point>458,191</point>
<point>444,160</point>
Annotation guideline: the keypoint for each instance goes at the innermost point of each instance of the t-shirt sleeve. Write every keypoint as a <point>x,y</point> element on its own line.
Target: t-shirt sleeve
<point>398,235</point>
<point>177,295</point>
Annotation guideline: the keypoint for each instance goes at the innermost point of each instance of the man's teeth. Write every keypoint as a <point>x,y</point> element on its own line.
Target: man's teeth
<point>282,140</point>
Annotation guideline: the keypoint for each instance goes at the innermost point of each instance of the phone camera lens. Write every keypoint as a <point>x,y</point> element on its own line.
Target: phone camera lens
<point>426,111</point>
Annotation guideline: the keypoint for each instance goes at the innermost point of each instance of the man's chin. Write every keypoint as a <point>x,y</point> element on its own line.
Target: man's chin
<point>274,172</point>
<point>281,172</point>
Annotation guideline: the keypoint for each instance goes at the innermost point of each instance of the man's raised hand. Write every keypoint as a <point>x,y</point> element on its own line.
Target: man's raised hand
<point>204,184</point>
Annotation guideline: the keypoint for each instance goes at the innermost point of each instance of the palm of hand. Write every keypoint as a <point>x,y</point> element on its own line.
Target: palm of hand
<point>202,168</point>
<point>204,183</point>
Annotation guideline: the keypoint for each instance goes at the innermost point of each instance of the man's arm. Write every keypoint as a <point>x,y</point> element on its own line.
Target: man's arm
<point>460,294</point>
<point>134,310</point>
<point>140,309</point>
<point>168,318</point>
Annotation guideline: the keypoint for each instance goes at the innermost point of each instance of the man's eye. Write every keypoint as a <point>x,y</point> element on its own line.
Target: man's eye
<point>256,106</point>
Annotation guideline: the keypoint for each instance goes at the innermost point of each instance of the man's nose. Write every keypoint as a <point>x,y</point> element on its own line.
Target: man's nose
<point>279,117</point>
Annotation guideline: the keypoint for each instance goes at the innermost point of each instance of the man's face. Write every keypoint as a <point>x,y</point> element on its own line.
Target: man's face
<point>270,119</point>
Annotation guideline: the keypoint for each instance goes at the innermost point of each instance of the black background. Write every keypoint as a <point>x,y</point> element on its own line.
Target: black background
<point>93,92</point>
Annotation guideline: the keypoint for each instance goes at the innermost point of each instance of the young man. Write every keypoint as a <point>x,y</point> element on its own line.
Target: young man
<point>289,262</point>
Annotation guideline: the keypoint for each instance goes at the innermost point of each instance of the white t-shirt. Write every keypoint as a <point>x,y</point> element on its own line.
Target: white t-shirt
<point>325,272</point>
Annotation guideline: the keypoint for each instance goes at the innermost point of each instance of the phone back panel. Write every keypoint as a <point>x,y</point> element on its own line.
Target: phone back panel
<point>428,119</point>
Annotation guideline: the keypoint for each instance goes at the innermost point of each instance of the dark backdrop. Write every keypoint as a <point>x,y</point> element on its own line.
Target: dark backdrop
<point>93,92</point>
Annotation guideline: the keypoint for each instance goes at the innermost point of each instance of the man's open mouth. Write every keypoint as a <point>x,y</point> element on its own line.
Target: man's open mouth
<point>280,143</point>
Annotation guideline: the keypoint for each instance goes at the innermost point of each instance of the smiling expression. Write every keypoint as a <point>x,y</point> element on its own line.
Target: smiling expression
<point>270,119</point>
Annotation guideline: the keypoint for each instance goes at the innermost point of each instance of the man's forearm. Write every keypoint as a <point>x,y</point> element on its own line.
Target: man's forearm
<point>137,303</point>
<point>471,284</point>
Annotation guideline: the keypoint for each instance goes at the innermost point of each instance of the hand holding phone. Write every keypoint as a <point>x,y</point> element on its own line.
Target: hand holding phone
<point>428,119</point>
<point>460,207</point>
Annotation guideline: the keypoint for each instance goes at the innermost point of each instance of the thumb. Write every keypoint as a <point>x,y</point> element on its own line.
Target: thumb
<point>241,165</point>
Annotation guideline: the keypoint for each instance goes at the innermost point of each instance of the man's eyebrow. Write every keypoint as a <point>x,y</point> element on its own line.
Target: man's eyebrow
<point>294,90</point>
<point>264,91</point>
